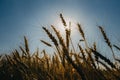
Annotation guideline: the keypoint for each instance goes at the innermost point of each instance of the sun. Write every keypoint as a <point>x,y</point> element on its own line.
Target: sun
<point>70,24</point>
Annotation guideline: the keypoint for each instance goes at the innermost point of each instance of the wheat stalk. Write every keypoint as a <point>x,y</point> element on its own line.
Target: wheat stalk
<point>103,58</point>
<point>82,51</point>
<point>46,43</point>
<point>90,57</point>
<point>67,37</point>
<point>116,47</point>
<point>51,36</point>
<point>106,40</point>
<point>81,30</point>
<point>63,20</point>
<point>26,45</point>
<point>61,40</point>
<point>82,34</point>
<point>105,37</point>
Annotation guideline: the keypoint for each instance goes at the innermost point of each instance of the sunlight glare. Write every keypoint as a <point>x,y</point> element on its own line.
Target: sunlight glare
<point>71,24</point>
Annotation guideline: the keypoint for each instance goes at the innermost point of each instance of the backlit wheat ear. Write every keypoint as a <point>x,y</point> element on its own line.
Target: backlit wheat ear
<point>81,30</point>
<point>68,33</point>
<point>61,41</point>
<point>82,34</point>
<point>27,49</point>
<point>63,20</point>
<point>105,36</point>
<point>46,43</point>
<point>51,36</point>
<point>67,37</point>
<point>106,40</point>
<point>26,44</point>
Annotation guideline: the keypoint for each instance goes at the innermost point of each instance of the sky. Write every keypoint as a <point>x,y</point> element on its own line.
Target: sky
<point>19,18</point>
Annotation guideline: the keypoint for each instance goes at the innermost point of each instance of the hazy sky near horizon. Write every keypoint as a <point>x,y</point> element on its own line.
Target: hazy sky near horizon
<point>26,17</point>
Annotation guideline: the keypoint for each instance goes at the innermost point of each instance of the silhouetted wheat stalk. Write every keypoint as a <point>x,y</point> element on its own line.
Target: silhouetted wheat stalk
<point>63,20</point>
<point>83,53</point>
<point>26,45</point>
<point>61,40</point>
<point>103,58</point>
<point>116,47</point>
<point>46,43</point>
<point>51,36</point>
<point>82,34</point>
<point>106,40</point>
<point>67,37</point>
<point>81,31</point>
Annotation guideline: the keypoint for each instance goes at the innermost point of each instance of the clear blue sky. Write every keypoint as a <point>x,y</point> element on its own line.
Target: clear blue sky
<point>26,17</point>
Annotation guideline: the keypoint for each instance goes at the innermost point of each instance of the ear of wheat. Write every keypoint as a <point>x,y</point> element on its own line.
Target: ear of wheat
<point>107,40</point>
<point>105,37</point>
<point>26,45</point>
<point>81,30</point>
<point>63,20</point>
<point>50,36</point>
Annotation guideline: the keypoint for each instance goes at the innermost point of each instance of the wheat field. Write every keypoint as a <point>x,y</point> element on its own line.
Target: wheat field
<point>65,64</point>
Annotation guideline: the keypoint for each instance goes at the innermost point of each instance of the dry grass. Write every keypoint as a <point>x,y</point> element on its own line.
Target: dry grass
<point>65,64</point>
